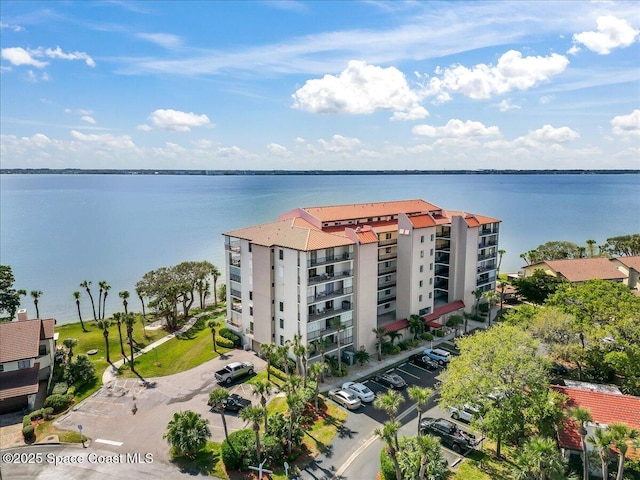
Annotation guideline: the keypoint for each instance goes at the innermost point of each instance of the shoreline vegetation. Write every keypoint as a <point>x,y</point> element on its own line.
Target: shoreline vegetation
<point>79,171</point>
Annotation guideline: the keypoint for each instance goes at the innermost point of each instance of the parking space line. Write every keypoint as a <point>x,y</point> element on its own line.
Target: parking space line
<point>108,442</point>
<point>410,374</point>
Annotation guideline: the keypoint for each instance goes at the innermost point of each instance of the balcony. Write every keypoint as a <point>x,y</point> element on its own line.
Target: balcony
<point>341,257</point>
<point>330,331</point>
<point>442,271</point>
<point>489,230</point>
<point>235,278</point>
<point>382,270</point>
<point>386,298</point>
<point>442,258</point>
<point>323,296</point>
<point>487,244</point>
<point>485,279</point>
<point>236,307</point>
<point>319,314</point>
<point>390,241</point>
<point>235,262</point>
<point>326,277</point>
<point>442,284</point>
<point>387,256</point>
<point>487,267</point>
<point>444,233</point>
<point>486,256</point>
<point>387,284</point>
<point>235,293</point>
<point>233,247</point>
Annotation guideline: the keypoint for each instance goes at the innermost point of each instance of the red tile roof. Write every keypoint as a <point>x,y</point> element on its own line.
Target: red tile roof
<point>605,408</point>
<point>443,310</point>
<point>369,210</point>
<point>422,221</point>
<point>397,325</point>
<point>583,269</point>
<point>19,382</point>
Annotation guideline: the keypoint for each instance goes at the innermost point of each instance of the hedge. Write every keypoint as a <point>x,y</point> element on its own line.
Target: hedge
<point>60,388</point>
<point>28,432</point>
<point>426,336</point>
<point>226,333</point>
<point>279,374</point>
<point>387,469</point>
<point>238,452</point>
<point>44,413</point>
<point>224,342</point>
<point>57,402</point>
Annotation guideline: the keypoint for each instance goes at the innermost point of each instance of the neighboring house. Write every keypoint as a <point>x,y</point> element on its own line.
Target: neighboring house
<point>579,270</point>
<point>606,404</point>
<point>27,353</point>
<point>366,265</point>
<point>629,266</point>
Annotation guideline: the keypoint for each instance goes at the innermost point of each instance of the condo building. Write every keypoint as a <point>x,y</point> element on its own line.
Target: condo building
<point>320,272</point>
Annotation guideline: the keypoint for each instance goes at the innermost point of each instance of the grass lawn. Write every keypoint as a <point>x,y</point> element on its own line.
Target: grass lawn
<point>181,353</point>
<point>206,463</point>
<point>483,465</point>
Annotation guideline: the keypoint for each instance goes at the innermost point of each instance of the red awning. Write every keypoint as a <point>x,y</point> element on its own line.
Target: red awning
<point>434,324</point>
<point>448,308</point>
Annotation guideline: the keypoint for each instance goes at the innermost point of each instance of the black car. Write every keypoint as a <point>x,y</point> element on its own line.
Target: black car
<point>392,380</point>
<point>449,433</point>
<point>235,403</point>
<point>423,361</point>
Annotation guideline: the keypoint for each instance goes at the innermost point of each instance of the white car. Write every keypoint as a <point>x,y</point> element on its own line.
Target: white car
<point>359,390</point>
<point>345,399</point>
<point>466,413</point>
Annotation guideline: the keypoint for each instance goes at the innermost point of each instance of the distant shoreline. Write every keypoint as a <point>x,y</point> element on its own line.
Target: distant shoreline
<point>77,171</point>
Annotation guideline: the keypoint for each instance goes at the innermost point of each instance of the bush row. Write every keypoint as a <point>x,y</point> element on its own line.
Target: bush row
<point>44,413</point>
<point>279,374</point>
<point>224,342</point>
<point>228,334</point>
<point>58,402</point>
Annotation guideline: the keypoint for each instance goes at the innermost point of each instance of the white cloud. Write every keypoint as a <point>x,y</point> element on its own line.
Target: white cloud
<point>165,40</point>
<point>547,135</point>
<point>513,72</point>
<point>203,144</point>
<point>177,121</point>
<point>359,89</point>
<point>19,56</point>
<point>88,119</point>
<point>339,143</point>
<point>105,140</point>
<point>505,106</point>
<point>277,149</point>
<point>456,128</point>
<point>144,127</point>
<point>626,125</point>
<point>416,113</point>
<point>58,53</point>
<point>546,99</point>
<point>13,28</point>
<point>612,33</point>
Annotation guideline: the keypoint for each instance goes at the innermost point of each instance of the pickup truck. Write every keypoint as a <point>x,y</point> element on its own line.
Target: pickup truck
<point>449,433</point>
<point>234,370</point>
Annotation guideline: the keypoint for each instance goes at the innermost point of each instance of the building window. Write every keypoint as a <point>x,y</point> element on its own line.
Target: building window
<point>23,364</point>
<point>387,305</point>
<point>282,306</point>
<point>282,323</point>
<point>432,237</point>
<point>431,266</point>
<point>281,254</point>
<point>420,283</point>
<point>42,350</point>
<point>250,310</point>
<point>251,327</point>
<point>1,368</point>
<point>250,295</point>
<point>419,298</point>
<point>421,268</point>
<point>431,252</point>
<point>421,253</point>
<point>281,340</point>
<point>250,247</point>
<point>388,235</point>
<point>387,250</point>
<point>431,281</point>
<point>387,292</point>
<point>430,294</point>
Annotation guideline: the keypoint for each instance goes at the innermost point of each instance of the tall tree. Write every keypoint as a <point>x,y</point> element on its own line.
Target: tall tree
<point>321,344</point>
<point>623,246</point>
<point>139,293</point>
<point>212,325</point>
<point>454,321</point>
<point>86,284</point>
<point>316,371</point>
<point>623,435</point>
<point>491,296</point>
<point>69,343</point>
<point>389,435</point>
<point>380,333</point>
<point>255,415</point>
<point>187,432</point>
<point>9,296</point>
<point>76,296</point>
<point>500,255</point>
<point>416,325</point>
<point>101,284</point>
<point>36,294</point>
<point>262,389</point>
<point>217,401</point>
<point>422,458</point>
<point>295,405</point>
<point>282,353</point>
<point>602,439</point>
<point>124,295</point>
<point>268,350</point>
<point>591,247</point>
<point>130,320</point>
<point>336,324</point>
<point>539,458</point>
<point>582,417</point>
<point>106,288</point>
<point>389,401</point>
<point>538,286</point>
<point>422,396</point>
<point>104,326</point>
<point>554,250</point>
<point>215,273</point>
<point>118,317</point>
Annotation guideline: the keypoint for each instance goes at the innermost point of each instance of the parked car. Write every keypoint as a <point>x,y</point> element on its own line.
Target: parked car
<point>345,399</point>
<point>466,413</point>
<point>449,433</point>
<point>439,355</point>
<point>361,391</point>
<point>234,370</point>
<point>392,380</point>
<point>235,403</point>
<point>422,361</point>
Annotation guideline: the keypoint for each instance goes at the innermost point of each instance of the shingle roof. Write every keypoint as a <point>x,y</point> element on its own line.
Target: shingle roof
<point>630,262</point>
<point>290,233</point>
<point>369,210</point>
<point>582,269</point>
<point>20,340</point>
<point>605,408</point>
<point>19,382</point>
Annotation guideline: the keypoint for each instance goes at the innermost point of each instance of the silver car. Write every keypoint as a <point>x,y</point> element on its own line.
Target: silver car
<point>345,399</point>
<point>359,390</point>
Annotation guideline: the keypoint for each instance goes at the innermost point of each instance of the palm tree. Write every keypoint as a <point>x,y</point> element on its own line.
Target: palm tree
<point>602,439</point>
<point>282,352</point>
<point>267,350</point>
<point>622,435</point>
<point>393,336</point>
<point>540,458</point>
<point>106,287</point>
<point>215,273</point>
<point>36,294</point>
<point>139,292</point>
<point>429,448</point>
<point>379,332</point>
<point>389,402</point>
<point>255,415</point>
<point>69,343</point>
<point>187,432</point>
<point>316,371</point>
<point>124,295</point>
<point>85,284</point>
<point>76,296</point>
<point>500,255</point>
<point>416,325</point>
<point>492,298</point>
<point>421,396</point>
<point>104,326</point>
<point>321,344</point>
<point>212,325</point>
<point>101,284</point>
<point>118,318</point>
<point>582,416</point>
<point>262,389</point>
<point>388,433</point>
<point>299,351</point>
<point>591,247</point>
<point>217,401</point>
<point>478,294</point>
<point>336,323</point>
<point>130,321</point>
<point>295,405</point>
<point>454,322</point>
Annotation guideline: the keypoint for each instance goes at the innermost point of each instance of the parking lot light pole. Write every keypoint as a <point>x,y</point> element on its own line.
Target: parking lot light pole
<point>81,437</point>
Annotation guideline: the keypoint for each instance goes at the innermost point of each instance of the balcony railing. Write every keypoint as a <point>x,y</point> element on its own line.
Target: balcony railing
<point>442,271</point>
<point>486,256</point>
<point>234,262</point>
<point>387,256</point>
<point>341,257</point>
<point>326,277</point>
<point>390,241</point>
<point>489,230</point>
<point>322,296</point>
<point>382,270</point>
<point>235,293</point>
<point>233,247</point>
<point>236,307</point>
<point>487,267</point>
<point>329,312</point>
<point>442,258</point>
<point>386,298</point>
<point>344,339</point>
<point>387,284</point>
<point>235,278</point>
<point>442,284</point>
<point>487,244</point>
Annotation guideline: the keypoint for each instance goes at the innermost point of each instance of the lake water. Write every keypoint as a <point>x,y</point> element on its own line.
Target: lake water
<point>58,230</point>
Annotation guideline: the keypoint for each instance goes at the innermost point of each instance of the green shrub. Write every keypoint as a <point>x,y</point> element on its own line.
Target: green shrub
<point>28,432</point>
<point>57,402</point>
<point>426,336</point>
<point>403,345</point>
<point>387,469</point>
<point>279,374</point>
<point>26,420</point>
<point>439,332</point>
<point>228,334</point>
<point>71,391</point>
<point>224,342</point>
<point>483,307</point>
<point>239,451</point>
<point>48,412</point>
<point>60,388</point>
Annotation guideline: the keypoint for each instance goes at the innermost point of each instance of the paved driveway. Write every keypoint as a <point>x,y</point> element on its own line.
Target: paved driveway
<point>108,420</point>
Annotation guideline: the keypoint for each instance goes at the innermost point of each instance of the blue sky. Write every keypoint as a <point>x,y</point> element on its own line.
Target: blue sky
<point>320,85</point>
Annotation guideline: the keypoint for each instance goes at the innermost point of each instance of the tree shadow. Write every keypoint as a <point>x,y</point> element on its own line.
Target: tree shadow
<point>202,463</point>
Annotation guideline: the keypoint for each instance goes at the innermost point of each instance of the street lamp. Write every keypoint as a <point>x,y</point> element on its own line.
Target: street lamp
<point>286,469</point>
<point>81,437</point>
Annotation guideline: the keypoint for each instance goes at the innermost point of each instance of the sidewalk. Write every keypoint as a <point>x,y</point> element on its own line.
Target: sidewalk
<point>111,372</point>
